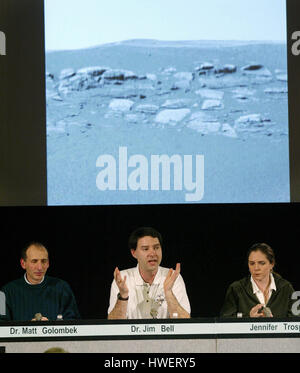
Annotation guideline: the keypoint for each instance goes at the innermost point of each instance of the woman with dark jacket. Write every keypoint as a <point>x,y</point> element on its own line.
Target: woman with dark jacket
<point>263,293</point>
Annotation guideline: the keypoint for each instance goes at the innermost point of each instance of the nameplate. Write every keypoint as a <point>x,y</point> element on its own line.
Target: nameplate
<point>192,330</point>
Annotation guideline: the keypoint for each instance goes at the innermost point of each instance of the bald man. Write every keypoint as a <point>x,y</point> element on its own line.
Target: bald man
<point>37,296</point>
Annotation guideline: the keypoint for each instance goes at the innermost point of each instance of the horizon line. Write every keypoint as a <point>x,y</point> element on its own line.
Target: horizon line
<point>169,41</point>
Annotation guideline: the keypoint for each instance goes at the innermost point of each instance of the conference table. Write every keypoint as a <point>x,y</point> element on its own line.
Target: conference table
<point>179,336</point>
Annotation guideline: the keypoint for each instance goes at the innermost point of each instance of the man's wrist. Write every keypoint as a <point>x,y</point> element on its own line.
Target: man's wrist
<point>123,297</point>
<point>169,293</point>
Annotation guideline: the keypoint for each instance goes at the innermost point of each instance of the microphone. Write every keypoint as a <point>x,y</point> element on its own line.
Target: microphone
<point>267,312</point>
<point>38,316</point>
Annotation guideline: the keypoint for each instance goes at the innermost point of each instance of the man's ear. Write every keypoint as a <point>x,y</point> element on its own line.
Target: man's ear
<point>133,253</point>
<point>22,262</point>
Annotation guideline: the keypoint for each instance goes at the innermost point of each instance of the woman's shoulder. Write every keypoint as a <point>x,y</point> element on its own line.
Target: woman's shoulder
<point>280,281</point>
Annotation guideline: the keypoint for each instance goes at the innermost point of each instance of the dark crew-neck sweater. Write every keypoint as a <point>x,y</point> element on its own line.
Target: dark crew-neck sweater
<point>51,297</point>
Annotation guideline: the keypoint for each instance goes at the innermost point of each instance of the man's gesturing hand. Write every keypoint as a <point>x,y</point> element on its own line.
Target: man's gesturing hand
<point>171,278</point>
<point>121,283</point>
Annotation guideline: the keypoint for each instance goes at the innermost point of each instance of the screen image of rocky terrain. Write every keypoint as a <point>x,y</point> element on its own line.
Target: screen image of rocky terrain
<point>214,113</point>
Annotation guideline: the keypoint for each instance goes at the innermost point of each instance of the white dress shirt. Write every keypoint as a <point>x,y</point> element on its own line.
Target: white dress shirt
<point>259,293</point>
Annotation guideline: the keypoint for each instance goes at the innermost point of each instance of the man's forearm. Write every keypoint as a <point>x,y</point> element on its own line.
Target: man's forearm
<point>119,311</point>
<point>174,308</point>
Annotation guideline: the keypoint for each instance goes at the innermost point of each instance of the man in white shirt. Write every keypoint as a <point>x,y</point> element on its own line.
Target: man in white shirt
<point>148,290</point>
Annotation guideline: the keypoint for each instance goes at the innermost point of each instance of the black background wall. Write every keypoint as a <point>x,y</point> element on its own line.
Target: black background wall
<point>23,173</point>
<point>87,242</point>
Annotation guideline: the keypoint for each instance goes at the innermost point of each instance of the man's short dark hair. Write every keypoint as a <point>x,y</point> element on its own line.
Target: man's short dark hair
<point>26,247</point>
<point>142,232</point>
